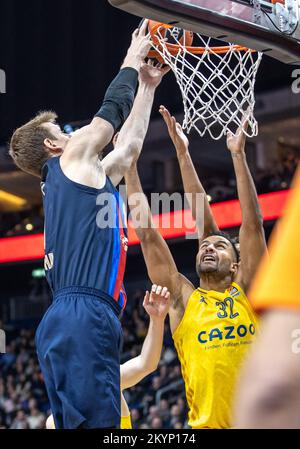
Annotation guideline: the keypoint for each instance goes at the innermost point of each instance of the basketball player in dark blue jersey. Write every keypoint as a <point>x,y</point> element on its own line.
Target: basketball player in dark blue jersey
<point>78,340</point>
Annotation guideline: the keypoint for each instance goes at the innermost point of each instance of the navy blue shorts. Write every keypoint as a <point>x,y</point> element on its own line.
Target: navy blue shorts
<point>78,344</point>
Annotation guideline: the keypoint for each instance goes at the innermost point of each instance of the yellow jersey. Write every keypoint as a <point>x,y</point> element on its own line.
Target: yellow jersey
<point>212,341</point>
<point>276,284</point>
<point>126,422</point>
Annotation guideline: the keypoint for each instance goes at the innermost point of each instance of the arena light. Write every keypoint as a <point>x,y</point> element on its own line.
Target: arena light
<point>29,227</point>
<point>11,199</point>
<point>38,273</point>
<point>227,214</point>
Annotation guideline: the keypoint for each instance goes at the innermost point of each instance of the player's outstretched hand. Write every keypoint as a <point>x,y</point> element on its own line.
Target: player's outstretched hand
<point>236,143</point>
<point>176,133</point>
<point>152,74</point>
<point>157,303</point>
<point>139,47</point>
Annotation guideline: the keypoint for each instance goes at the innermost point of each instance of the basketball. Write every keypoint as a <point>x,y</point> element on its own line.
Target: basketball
<point>160,30</point>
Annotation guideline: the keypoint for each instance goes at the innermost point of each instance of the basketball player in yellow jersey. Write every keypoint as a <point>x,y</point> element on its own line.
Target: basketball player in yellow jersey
<point>269,396</point>
<point>157,304</point>
<point>213,325</point>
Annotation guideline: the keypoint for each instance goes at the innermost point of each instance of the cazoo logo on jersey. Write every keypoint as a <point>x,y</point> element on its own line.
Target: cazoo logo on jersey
<point>227,333</point>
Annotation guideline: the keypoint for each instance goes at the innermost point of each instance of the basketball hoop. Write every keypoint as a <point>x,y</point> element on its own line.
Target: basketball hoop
<point>217,83</point>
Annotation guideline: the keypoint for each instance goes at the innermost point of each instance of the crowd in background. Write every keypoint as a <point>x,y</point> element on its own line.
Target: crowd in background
<point>217,187</point>
<point>157,402</point>
<point>23,399</point>
<point>278,178</point>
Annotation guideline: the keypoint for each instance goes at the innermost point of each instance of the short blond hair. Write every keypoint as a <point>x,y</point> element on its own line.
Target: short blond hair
<point>27,143</point>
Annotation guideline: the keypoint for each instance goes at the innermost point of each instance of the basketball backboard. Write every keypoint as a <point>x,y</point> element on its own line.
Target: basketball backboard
<point>270,26</point>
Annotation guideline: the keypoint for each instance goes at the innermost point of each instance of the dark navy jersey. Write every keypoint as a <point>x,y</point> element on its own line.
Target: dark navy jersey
<point>85,234</point>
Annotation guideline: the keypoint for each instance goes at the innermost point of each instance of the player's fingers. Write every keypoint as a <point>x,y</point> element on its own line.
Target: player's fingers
<point>135,33</point>
<point>167,295</point>
<point>245,122</point>
<point>164,291</point>
<point>174,123</point>
<point>147,44</point>
<point>146,298</point>
<point>166,69</point>
<point>165,114</point>
<point>158,289</point>
<point>169,122</point>
<point>143,28</point>
<point>167,111</point>
<point>154,287</point>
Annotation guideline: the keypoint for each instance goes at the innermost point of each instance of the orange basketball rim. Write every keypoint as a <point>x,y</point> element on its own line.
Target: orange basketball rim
<point>174,49</point>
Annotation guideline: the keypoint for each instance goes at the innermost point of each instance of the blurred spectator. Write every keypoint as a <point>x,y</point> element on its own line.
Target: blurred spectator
<point>175,415</point>
<point>20,421</point>
<point>156,423</point>
<point>288,165</point>
<point>36,419</point>
<point>23,398</point>
<point>164,412</point>
<point>135,417</point>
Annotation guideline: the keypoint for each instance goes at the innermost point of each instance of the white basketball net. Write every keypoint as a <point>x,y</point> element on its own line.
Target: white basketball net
<point>217,89</point>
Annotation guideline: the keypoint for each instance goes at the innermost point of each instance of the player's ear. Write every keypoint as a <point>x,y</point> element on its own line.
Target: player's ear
<point>234,268</point>
<point>52,147</point>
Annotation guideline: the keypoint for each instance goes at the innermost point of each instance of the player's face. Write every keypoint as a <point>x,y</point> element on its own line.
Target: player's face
<point>215,255</point>
<point>61,139</point>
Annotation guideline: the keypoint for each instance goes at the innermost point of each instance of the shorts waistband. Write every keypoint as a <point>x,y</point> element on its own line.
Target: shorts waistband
<point>98,294</point>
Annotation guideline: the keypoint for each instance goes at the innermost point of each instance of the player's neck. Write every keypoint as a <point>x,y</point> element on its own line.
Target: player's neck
<point>211,281</point>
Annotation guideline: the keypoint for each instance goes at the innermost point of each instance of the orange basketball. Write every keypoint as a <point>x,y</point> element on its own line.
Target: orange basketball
<point>184,37</point>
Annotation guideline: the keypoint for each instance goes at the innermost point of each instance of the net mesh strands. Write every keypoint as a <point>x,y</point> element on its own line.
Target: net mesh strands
<point>216,83</point>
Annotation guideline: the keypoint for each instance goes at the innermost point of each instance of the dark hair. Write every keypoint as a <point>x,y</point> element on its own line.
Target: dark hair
<point>233,241</point>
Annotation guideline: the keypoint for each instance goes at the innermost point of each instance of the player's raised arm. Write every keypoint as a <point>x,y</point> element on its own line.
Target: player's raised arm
<point>252,235</point>
<point>191,181</point>
<point>160,264</point>
<point>157,304</point>
<point>131,137</point>
<point>90,140</point>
